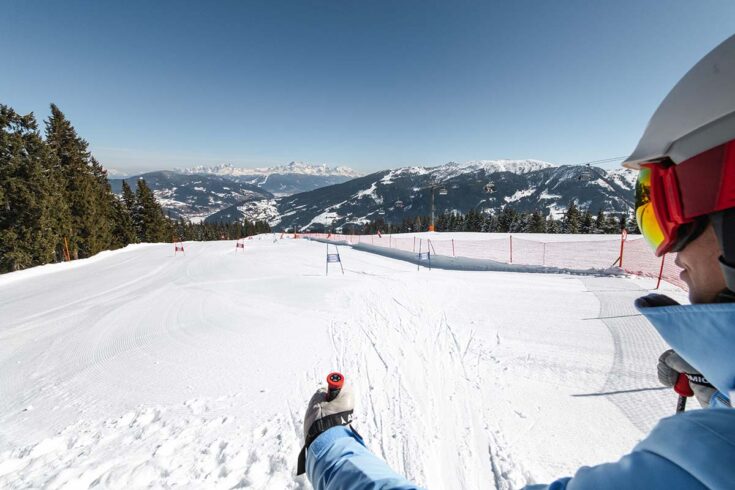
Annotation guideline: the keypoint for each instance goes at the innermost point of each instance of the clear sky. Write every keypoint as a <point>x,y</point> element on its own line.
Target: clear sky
<point>369,84</point>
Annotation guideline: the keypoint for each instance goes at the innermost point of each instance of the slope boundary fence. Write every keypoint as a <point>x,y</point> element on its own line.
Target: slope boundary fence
<point>629,252</point>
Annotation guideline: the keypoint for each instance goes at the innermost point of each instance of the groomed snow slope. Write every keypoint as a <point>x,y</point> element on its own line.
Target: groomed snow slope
<point>137,368</point>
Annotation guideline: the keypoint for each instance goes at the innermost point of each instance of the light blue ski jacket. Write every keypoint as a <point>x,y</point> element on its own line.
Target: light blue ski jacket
<point>692,450</point>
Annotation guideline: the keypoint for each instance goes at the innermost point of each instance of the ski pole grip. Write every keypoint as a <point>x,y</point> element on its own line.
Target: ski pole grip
<point>335,381</point>
<point>682,386</point>
<point>683,389</point>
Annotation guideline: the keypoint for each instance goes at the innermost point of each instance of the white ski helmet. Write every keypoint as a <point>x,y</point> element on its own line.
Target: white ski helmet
<point>686,159</point>
<point>698,113</point>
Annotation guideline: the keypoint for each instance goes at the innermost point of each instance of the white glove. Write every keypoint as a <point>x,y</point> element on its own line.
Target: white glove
<point>322,415</point>
<point>670,365</point>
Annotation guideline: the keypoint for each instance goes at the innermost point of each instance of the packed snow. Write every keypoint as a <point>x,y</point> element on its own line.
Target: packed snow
<point>142,367</point>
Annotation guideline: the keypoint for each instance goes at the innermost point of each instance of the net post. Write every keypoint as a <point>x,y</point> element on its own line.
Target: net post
<point>623,236</point>
<point>543,258</point>
<point>511,248</point>
<point>418,262</point>
<point>660,271</point>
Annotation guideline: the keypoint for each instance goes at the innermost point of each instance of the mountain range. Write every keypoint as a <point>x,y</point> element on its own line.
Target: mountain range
<point>199,192</point>
<point>315,196</point>
<point>282,180</point>
<point>194,197</point>
<point>487,185</point>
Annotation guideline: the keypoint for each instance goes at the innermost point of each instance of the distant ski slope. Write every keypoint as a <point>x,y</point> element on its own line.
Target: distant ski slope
<point>137,367</point>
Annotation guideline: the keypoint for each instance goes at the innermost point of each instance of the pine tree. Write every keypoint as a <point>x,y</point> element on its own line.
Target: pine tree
<point>633,226</point>
<point>505,219</point>
<point>587,224</point>
<point>600,222</point>
<point>123,231</point>
<point>104,210</point>
<point>521,224</point>
<point>571,219</point>
<point>29,199</point>
<point>537,223</point>
<point>150,224</point>
<point>85,187</point>
<point>473,221</point>
<point>552,225</point>
<point>490,224</point>
<point>612,225</point>
<point>128,197</point>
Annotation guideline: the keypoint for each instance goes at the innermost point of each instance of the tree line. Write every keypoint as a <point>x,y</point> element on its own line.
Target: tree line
<point>56,202</point>
<point>509,220</point>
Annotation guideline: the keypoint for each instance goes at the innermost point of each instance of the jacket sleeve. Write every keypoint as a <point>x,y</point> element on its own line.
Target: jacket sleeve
<point>338,459</point>
<point>638,470</point>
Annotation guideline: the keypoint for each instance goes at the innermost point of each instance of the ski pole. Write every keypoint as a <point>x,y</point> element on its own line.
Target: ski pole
<point>335,381</point>
<point>684,390</point>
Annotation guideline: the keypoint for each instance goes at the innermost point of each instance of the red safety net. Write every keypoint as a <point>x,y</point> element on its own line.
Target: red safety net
<point>597,254</point>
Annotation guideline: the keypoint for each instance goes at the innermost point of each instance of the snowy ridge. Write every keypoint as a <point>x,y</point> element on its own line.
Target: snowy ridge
<point>115,174</point>
<point>299,168</point>
<point>404,193</point>
<point>519,167</point>
<point>624,177</point>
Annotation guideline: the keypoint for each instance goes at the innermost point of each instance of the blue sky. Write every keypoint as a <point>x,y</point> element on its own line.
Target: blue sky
<point>371,85</point>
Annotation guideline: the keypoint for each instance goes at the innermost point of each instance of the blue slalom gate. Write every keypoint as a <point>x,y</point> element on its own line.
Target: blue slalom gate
<point>334,257</point>
<point>422,256</point>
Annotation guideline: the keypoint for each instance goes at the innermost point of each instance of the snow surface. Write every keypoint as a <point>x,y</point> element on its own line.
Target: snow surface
<point>624,177</point>
<point>518,195</point>
<point>139,368</point>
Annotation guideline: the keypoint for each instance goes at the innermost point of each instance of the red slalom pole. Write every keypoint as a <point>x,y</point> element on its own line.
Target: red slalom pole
<point>335,381</point>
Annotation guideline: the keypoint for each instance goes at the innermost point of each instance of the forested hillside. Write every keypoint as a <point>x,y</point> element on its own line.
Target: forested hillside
<point>56,202</point>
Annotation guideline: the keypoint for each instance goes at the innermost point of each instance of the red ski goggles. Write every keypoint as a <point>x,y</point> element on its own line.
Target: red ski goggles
<point>670,197</point>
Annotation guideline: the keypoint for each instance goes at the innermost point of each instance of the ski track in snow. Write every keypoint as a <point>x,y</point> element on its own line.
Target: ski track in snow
<point>144,369</point>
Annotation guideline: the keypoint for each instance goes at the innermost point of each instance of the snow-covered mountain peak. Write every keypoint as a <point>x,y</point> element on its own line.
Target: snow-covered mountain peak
<point>520,167</point>
<point>624,176</point>
<point>294,167</point>
<point>513,166</point>
<point>114,173</point>
<point>299,167</point>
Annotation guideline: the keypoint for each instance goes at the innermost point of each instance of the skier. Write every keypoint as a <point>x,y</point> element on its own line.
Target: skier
<point>685,203</point>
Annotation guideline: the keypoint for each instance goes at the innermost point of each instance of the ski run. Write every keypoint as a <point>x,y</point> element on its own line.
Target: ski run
<point>142,367</point>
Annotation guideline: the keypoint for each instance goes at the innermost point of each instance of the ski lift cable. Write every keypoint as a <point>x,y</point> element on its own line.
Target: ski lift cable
<point>604,160</point>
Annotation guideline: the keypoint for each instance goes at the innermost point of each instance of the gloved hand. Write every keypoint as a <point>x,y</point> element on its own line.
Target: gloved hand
<point>322,415</point>
<point>670,365</point>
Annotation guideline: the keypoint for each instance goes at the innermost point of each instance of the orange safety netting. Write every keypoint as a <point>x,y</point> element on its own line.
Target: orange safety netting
<point>637,257</point>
